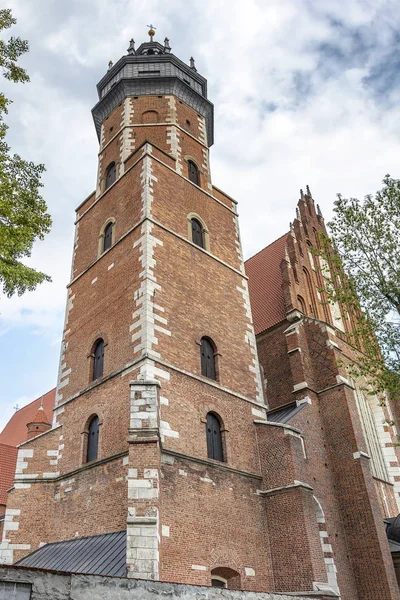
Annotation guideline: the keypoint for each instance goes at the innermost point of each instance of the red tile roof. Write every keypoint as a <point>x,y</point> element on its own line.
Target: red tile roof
<point>265,285</point>
<point>15,432</point>
<point>8,458</point>
<point>40,417</point>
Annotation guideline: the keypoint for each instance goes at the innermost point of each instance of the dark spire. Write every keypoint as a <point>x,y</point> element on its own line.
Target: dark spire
<point>167,47</point>
<point>308,191</point>
<point>302,194</point>
<point>319,213</point>
<point>110,64</point>
<point>131,49</point>
<point>192,65</point>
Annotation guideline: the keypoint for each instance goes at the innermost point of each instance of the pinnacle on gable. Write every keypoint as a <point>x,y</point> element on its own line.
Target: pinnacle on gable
<point>308,193</point>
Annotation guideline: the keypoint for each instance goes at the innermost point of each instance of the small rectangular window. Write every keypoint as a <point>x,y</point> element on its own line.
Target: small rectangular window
<point>10,590</point>
<point>149,72</point>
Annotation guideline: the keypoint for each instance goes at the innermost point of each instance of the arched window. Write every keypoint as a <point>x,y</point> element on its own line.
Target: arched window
<point>302,305</point>
<point>193,172</point>
<point>207,355</point>
<point>93,439</point>
<point>98,359</point>
<point>108,234</point>
<point>214,438</point>
<point>225,577</point>
<point>313,305</point>
<point>197,233</point>
<point>111,174</point>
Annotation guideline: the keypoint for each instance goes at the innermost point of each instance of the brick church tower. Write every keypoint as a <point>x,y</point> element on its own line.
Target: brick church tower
<point>163,460</point>
<point>158,384</point>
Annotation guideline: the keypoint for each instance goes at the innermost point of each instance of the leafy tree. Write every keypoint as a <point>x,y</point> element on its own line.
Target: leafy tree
<point>365,236</point>
<point>23,216</point>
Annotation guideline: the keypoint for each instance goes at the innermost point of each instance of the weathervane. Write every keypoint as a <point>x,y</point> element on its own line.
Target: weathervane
<point>152,31</point>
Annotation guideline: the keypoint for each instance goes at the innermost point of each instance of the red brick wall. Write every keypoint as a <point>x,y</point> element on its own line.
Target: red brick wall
<point>223,524</point>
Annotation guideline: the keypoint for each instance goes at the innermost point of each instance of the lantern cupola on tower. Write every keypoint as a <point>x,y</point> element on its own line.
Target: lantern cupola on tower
<point>152,69</point>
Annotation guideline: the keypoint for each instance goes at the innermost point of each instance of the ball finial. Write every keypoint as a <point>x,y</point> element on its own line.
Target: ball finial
<point>152,31</point>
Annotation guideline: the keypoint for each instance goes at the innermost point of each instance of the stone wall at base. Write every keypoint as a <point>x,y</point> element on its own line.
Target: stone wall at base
<point>52,585</point>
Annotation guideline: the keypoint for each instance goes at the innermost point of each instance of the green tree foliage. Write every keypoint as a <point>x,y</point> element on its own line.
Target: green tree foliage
<point>365,279</point>
<point>23,212</point>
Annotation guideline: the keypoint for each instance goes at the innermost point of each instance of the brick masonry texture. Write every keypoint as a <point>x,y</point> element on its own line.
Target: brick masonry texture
<point>294,507</point>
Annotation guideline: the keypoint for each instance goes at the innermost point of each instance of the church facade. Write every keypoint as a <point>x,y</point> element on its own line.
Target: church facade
<point>203,406</point>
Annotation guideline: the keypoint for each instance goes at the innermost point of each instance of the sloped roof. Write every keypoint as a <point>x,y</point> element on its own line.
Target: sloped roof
<point>95,555</point>
<point>285,413</point>
<point>15,432</point>
<point>265,285</point>
<point>8,458</point>
<point>40,417</point>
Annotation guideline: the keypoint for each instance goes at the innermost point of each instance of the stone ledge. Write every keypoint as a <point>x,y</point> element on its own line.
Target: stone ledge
<point>210,463</point>
<point>85,467</point>
<point>286,488</point>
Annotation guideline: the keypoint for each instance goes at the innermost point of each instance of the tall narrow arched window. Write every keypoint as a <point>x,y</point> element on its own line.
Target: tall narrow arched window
<point>207,355</point>
<point>214,438</point>
<point>111,174</point>
<point>302,305</point>
<point>313,304</point>
<point>108,234</point>
<point>98,359</point>
<point>193,172</point>
<point>197,233</point>
<point>93,439</point>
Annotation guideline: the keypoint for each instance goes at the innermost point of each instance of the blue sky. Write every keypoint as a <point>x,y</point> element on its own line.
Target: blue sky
<point>305,92</point>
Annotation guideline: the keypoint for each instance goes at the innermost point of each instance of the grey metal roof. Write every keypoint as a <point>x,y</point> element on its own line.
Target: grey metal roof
<point>161,73</point>
<point>394,546</point>
<point>96,555</point>
<point>284,414</point>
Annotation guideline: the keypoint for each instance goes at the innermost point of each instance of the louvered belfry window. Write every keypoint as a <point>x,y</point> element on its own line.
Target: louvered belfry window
<point>193,172</point>
<point>207,358</point>
<point>108,237</point>
<point>93,439</point>
<point>197,233</point>
<point>214,438</point>
<point>111,174</point>
<point>98,359</point>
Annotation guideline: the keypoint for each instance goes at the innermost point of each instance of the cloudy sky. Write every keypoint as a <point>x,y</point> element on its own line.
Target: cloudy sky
<point>305,92</point>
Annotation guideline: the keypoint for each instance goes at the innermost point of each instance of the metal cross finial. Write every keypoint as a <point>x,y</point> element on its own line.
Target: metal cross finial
<point>16,407</point>
<point>152,31</point>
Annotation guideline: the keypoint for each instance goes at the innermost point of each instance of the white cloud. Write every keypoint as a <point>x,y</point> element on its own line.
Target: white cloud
<point>291,108</point>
